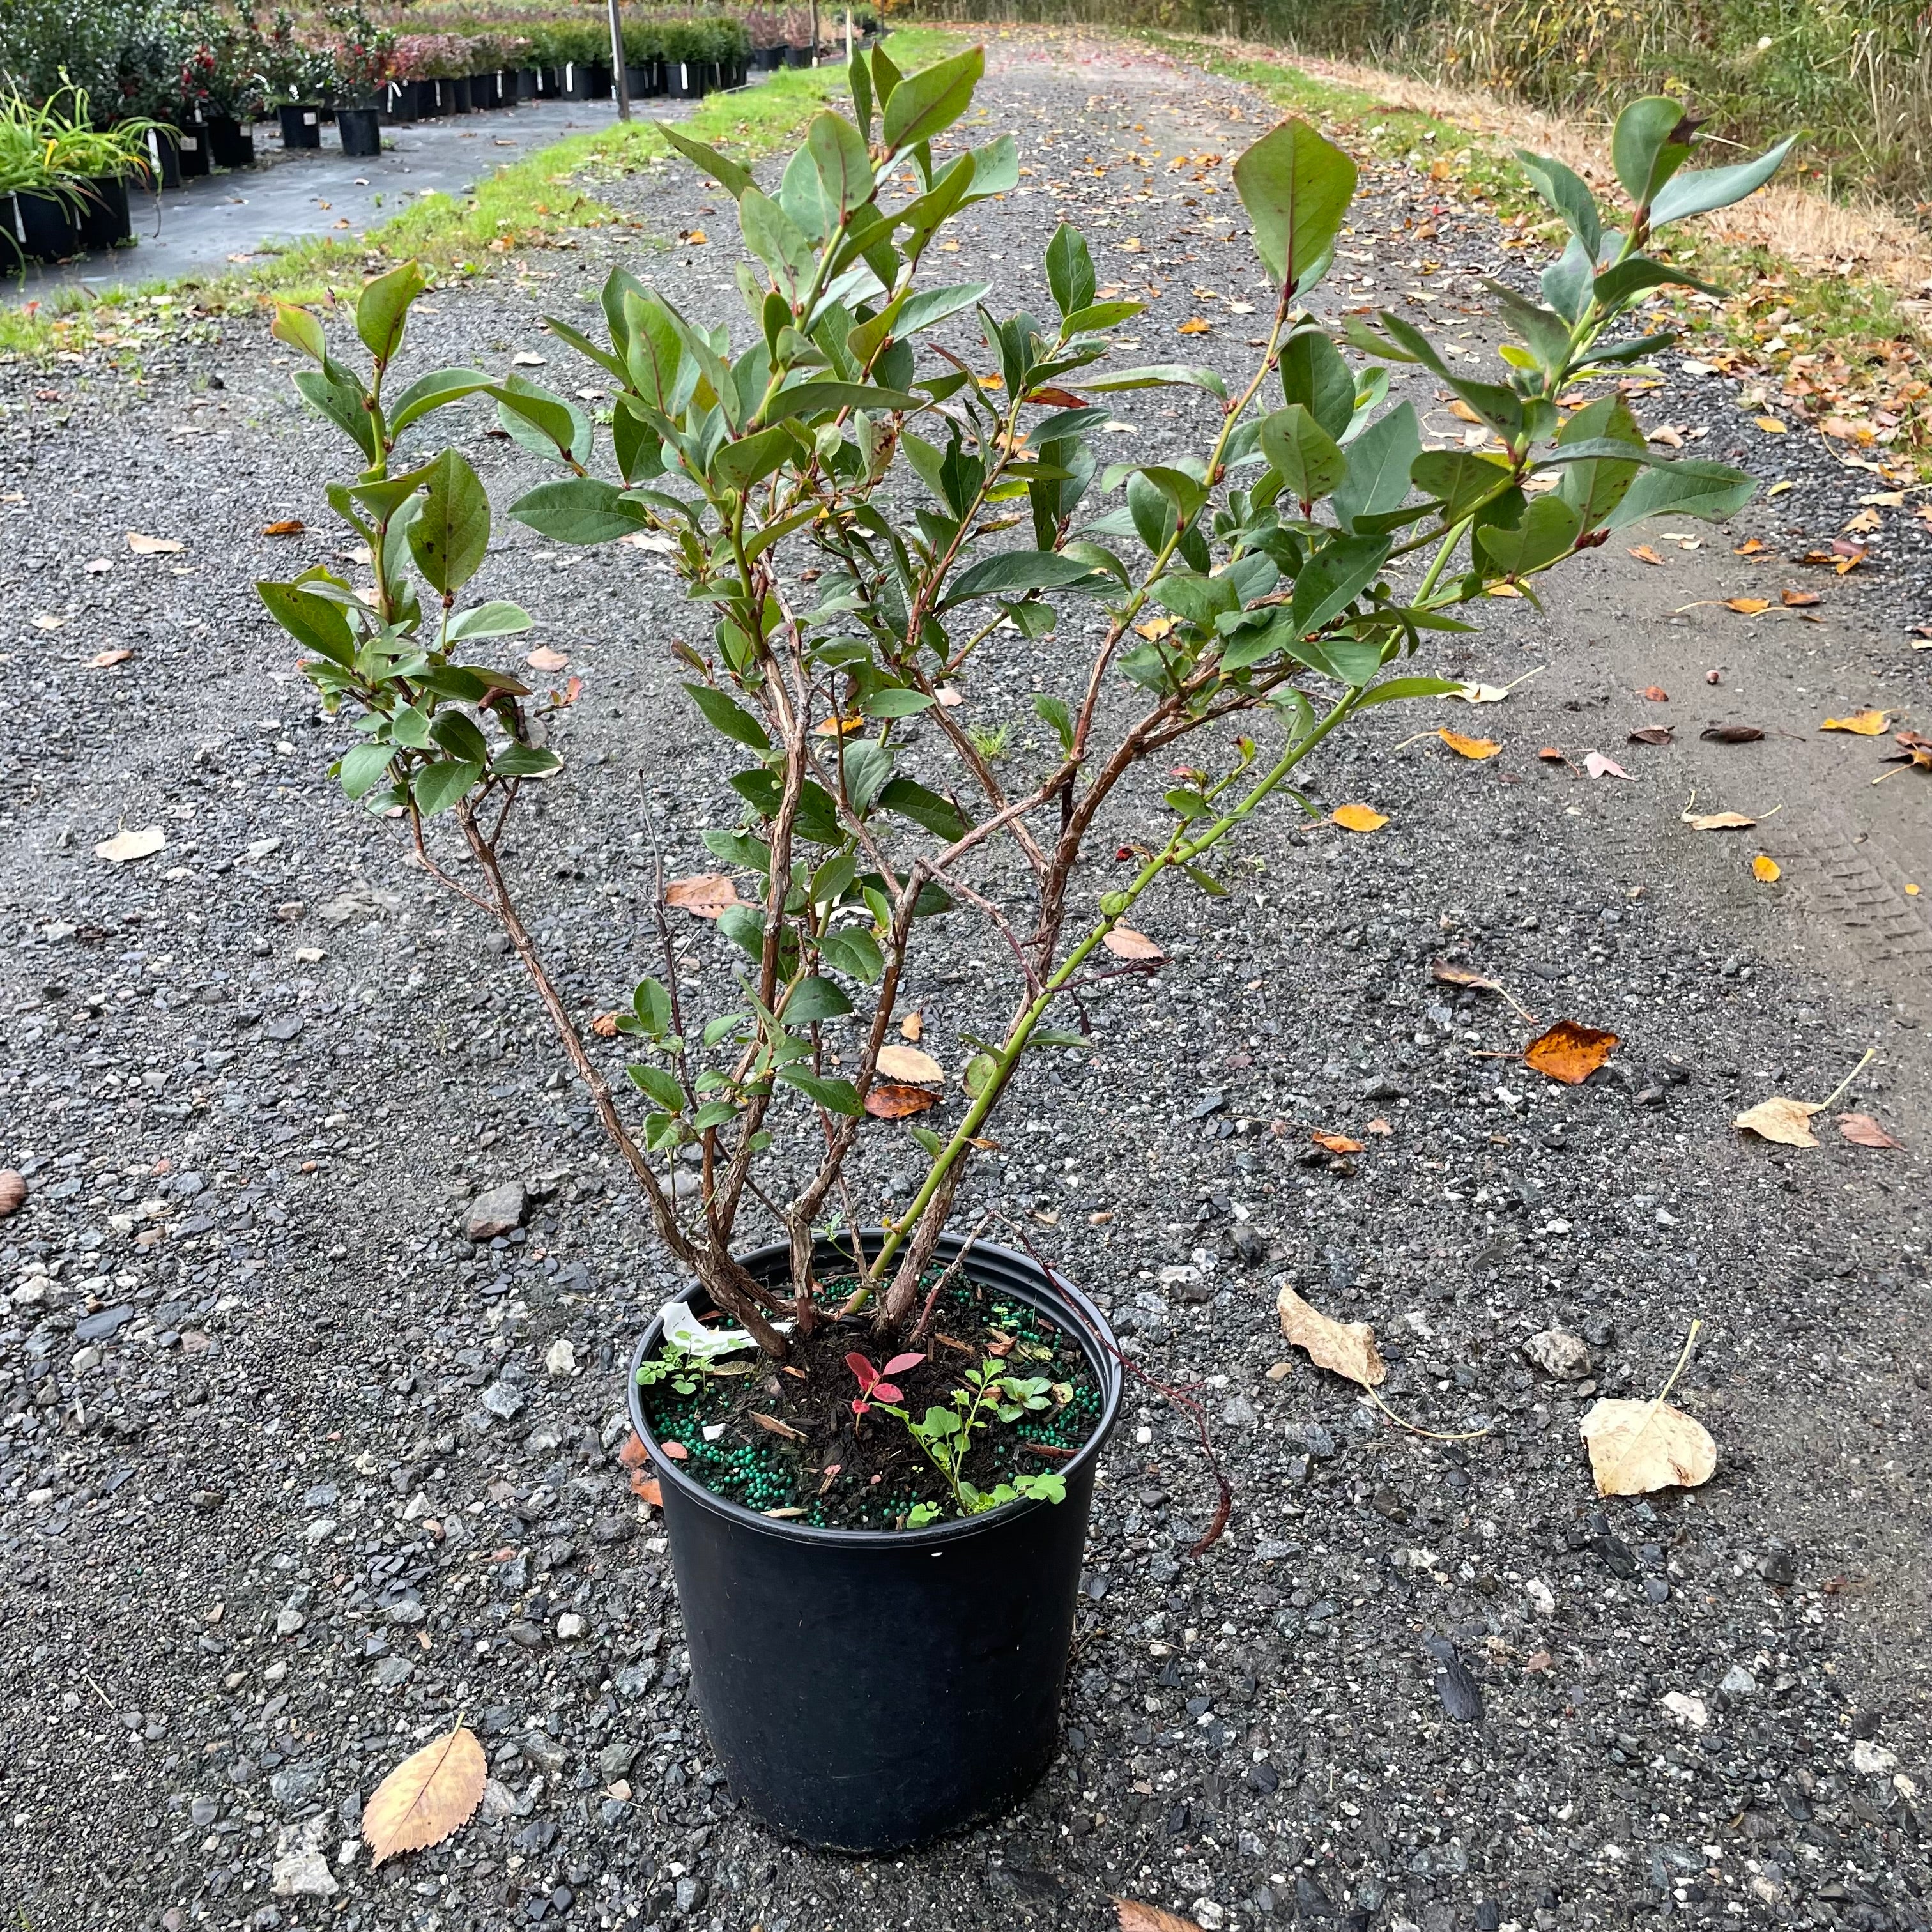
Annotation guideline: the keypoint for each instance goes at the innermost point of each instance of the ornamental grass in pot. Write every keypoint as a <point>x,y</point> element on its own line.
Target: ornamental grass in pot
<point>881,1420</point>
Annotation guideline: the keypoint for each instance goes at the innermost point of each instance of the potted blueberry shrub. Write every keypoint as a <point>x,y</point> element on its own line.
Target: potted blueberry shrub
<point>877,1425</point>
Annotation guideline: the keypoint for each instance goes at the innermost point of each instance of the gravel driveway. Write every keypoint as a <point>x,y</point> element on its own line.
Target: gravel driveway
<point>293,1472</point>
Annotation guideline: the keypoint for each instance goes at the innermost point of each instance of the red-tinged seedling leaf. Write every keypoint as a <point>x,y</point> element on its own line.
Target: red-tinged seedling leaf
<point>899,1365</point>
<point>886,1392</point>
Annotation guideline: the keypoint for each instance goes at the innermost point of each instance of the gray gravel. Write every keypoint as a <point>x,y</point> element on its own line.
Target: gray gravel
<point>293,1469</point>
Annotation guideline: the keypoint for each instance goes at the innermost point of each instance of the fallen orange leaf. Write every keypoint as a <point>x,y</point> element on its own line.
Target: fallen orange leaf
<point>1338,1143</point>
<point>1570,1052</point>
<point>427,1797</point>
<point>1655,694</point>
<point>1461,411</point>
<point>1194,326</point>
<point>1359,818</point>
<point>1748,607</point>
<point>1645,554</point>
<point>1766,870</point>
<point>289,526</point>
<point>604,1026</point>
<point>1799,600</point>
<point>889,1101</point>
<point>1476,748</point>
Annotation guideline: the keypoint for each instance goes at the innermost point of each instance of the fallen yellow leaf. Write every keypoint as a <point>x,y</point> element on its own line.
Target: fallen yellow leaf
<point>1866,724</point>
<point>1359,818</point>
<point>1194,326</point>
<point>1787,1122</point>
<point>1478,748</point>
<point>1748,606</point>
<point>1461,411</point>
<point>1346,1347</point>
<point>427,1797</point>
<point>1769,424</point>
<point>1636,1446</point>
<point>1766,870</point>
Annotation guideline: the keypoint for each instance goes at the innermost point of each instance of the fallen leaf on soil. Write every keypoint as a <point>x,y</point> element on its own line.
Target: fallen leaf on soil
<point>1655,694</point>
<point>707,895</point>
<point>1786,1121</point>
<point>1481,694</point>
<point>1476,748</point>
<point>1861,1130</point>
<point>1652,734</point>
<point>1126,944</point>
<point>1645,554</point>
<point>1552,754</point>
<point>13,1186</point>
<point>1570,1052</point>
<point>1338,1143</point>
<point>1636,1446</point>
<point>1769,424</point>
<point>1194,326</point>
<point>1359,818</point>
<point>1135,1917</point>
<point>544,658</point>
<point>777,1427</point>
<point>1346,1348</point>
<point>527,358</point>
<point>604,1026</point>
<point>1731,734</point>
<point>913,1024</point>
<point>1717,821</point>
<point>1451,975</point>
<point>1669,434</point>
<point>126,845</point>
<point>1799,600</point>
<point>1766,870</point>
<point>908,1063</point>
<point>144,546</point>
<point>102,660</point>
<point>288,527</point>
<point>426,1798</point>
<point>887,1101</point>
<point>1599,767</point>
<point>1748,607</point>
<point>47,621</point>
<point>1866,519</point>
<point>1866,724</point>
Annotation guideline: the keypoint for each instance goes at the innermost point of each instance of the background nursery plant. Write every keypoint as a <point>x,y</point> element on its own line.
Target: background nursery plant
<point>868,516</point>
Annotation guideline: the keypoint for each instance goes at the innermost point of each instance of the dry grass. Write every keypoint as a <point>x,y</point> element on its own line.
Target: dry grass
<point>1811,230</point>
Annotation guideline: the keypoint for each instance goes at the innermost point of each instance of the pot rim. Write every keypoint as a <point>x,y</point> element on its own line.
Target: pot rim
<point>1096,1341</point>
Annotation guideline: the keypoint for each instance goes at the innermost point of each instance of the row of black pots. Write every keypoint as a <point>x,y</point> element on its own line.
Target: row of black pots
<point>45,225</point>
<point>793,1629</point>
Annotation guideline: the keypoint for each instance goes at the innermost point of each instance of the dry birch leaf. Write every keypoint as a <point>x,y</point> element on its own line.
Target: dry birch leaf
<point>1861,1130</point>
<point>707,895</point>
<point>1135,1917</point>
<point>909,1063</point>
<point>1786,1121</point>
<point>125,846</point>
<point>1347,1347</point>
<point>1126,944</point>
<point>1636,1446</point>
<point>1570,1052</point>
<point>1359,818</point>
<point>913,1024</point>
<point>544,658</point>
<point>426,1798</point>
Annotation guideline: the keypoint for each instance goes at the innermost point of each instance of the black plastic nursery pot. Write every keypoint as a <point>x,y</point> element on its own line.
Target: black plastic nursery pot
<point>599,82</point>
<point>361,129</point>
<point>526,83</point>
<point>230,144</point>
<point>798,56</point>
<point>731,71</point>
<point>688,80</point>
<point>868,1689</point>
<point>644,79</point>
<point>765,59</point>
<point>191,150</point>
<point>105,222</point>
<point>301,127</point>
<point>45,227</point>
<point>164,156</point>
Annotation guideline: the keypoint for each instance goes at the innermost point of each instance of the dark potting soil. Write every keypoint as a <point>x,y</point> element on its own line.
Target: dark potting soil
<point>827,1466</point>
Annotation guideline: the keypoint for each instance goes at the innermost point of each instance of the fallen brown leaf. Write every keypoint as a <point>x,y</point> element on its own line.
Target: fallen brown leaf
<point>1748,607</point>
<point>1338,1143</point>
<point>604,1026</point>
<point>909,1063</point>
<point>426,1798</point>
<point>707,895</point>
<point>1861,1130</point>
<point>1799,600</point>
<point>887,1101</point>
<point>1652,734</point>
<point>1732,734</point>
<point>1474,749</point>
<point>1655,694</point>
<point>1126,944</point>
<point>125,846</point>
<point>544,658</point>
<point>1636,1446</point>
<point>1717,821</point>
<point>1346,1347</point>
<point>103,660</point>
<point>913,1024</point>
<point>777,1427</point>
<point>1645,554</point>
<point>1461,411</point>
<point>1552,754</point>
<point>1135,1917</point>
<point>1569,1051</point>
<point>288,527</point>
